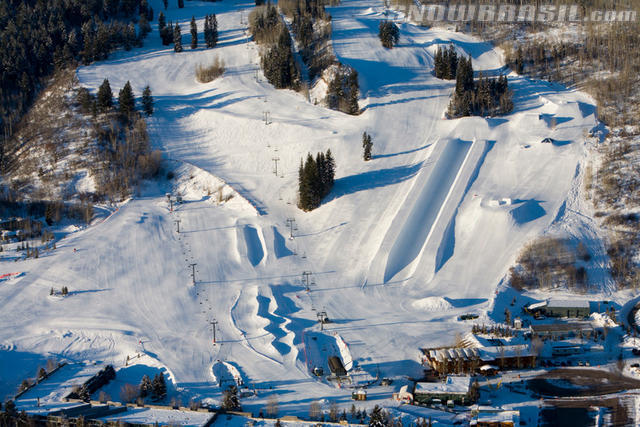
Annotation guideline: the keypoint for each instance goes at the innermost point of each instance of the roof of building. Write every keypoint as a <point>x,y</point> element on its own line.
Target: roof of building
<point>451,385</point>
<point>537,305</point>
<point>566,303</point>
<point>562,327</point>
<point>497,417</point>
<point>497,352</point>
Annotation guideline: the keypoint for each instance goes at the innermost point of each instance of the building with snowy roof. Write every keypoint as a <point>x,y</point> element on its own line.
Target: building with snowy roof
<point>567,308</point>
<point>556,331</point>
<point>492,417</point>
<point>455,388</point>
<point>469,359</point>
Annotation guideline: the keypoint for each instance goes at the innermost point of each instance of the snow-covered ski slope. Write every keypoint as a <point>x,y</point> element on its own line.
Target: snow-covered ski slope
<point>423,223</point>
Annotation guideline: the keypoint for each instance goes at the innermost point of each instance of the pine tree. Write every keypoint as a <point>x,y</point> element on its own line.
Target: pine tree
<point>211,30</point>
<point>162,22</point>
<point>214,30</point>
<point>147,101</point>
<point>278,64</point>
<point>519,60</point>
<point>177,38</point>
<point>354,108</point>
<point>180,4</point>
<point>129,37</point>
<point>378,418</point>
<point>146,387</point>
<point>194,33</point>
<point>452,63</point>
<point>165,3</point>
<point>207,31</point>
<point>366,145</point>
<point>105,96</point>
<point>166,31</point>
<point>145,27</point>
<point>230,401</point>
<point>330,170</point>
<point>159,390</point>
<point>315,180</point>
<point>388,33</point>
<point>437,63</point>
<point>126,101</point>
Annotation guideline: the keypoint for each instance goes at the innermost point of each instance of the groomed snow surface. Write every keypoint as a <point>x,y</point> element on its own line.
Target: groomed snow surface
<point>401,247</point>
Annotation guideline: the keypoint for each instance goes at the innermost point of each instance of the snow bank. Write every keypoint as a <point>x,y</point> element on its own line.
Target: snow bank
<point>194,183</point>
<point>345,354</point>
<point>432,304</point>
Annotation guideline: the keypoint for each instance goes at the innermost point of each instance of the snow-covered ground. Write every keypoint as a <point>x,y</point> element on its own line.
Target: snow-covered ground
<point>401,247</point>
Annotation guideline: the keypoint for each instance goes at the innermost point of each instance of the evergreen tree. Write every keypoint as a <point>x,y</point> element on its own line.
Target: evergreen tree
<point>354,108</point>
<point>145,27</point>
<point>177,38</point>
<point>230,400</point>
<point>206,31</point>
<point>146,387</point>
<point>126,101</point>
<point>165,3</point>
<point>452,63</point>
<point>129,37</point>
<point>159,388</point>
<point>378,418</point>
<point>367,144</point>
<point>162,22</point>
<point>211,30</point>
<point>105,96</point>
<point>180,4</point>
<point>147,101</point>
<point>315,179</point>
<point>278,64</point>
<point>194,33</point>
<point>437,63</point>
<point>389,34</point>
<point>166,31</point>
<point>214,30</point>
<point>519,61</point>
<point>330,170</point>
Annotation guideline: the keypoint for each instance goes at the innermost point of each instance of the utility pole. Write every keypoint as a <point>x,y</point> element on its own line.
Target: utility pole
<point>214,323</point>
<point>305,279</point>
<point>276,160</point>
<point>322,318</point>
<point>291,223</point>
<point>193,272</point>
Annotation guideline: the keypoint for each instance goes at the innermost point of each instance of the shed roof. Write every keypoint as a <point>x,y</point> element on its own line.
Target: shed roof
<point>451,385</point>
<point>567,303</point>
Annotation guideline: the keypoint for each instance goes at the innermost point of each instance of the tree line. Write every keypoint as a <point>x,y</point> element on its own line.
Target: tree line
<point>315,179</point>
<point>277,60</point>
<point>343,90</point>
<point>171,33</point>
<point>446,63</point>
<point>483,97</point>
<point>39,36</point>
<point>123,155</point>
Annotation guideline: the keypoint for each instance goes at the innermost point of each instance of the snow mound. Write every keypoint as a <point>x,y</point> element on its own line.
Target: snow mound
<point>602,319</point>
<point>194,183</point>
<point>345,353</point>
<point>432,304</point>
<point>528,211</point>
